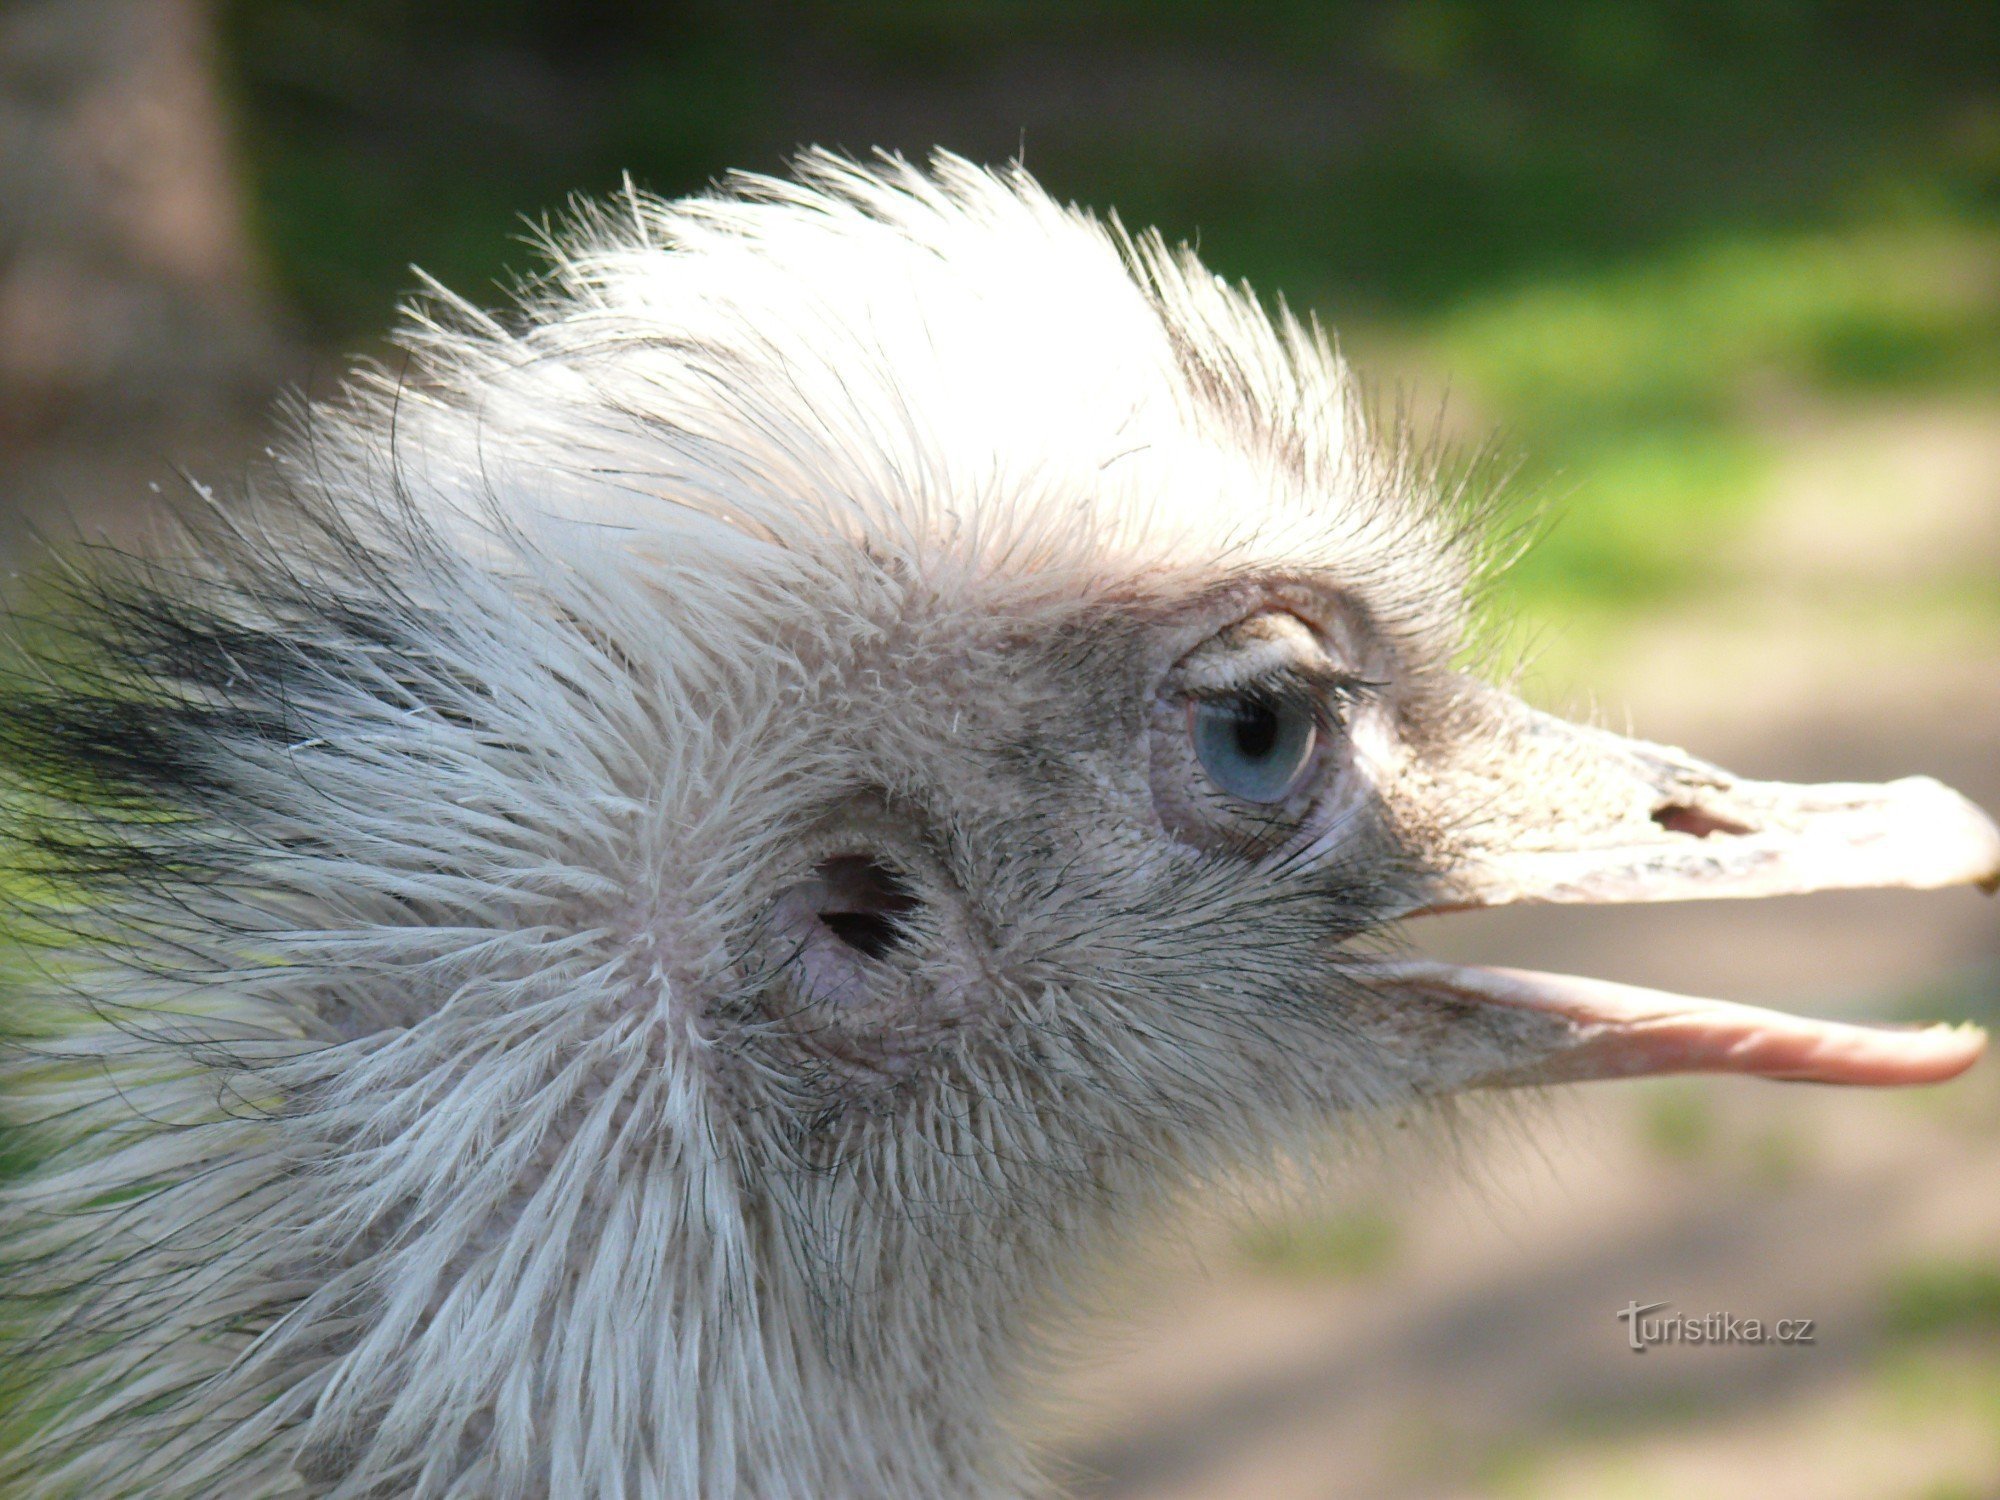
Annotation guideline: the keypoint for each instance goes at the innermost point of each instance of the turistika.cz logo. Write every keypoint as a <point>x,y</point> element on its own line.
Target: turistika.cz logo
<point>1643,1330</point>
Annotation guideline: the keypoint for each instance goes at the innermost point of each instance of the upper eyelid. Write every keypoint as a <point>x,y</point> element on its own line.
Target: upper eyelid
<point>1313,684</point>
<point>1261,645</point>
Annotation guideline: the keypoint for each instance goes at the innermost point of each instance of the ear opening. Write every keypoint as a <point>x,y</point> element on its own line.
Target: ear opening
<point>863,902</point>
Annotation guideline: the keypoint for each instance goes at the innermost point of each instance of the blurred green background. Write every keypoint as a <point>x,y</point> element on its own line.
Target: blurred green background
<point>1621,230</point>
<point>1717,285</point>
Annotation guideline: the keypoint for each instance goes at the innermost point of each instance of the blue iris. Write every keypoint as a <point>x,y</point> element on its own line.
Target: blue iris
<point>1253,747</point>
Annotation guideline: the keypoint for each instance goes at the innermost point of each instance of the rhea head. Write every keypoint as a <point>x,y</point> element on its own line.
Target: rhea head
<point>697,845</point>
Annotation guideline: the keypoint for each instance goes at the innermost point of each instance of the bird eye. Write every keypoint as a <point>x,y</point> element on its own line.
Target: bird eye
<point>1253,747</point>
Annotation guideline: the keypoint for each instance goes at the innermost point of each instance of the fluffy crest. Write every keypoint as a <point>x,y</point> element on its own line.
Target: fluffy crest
<point>949,368</point>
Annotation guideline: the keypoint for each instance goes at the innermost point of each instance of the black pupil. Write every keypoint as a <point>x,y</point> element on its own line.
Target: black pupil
<point>1256,730</point>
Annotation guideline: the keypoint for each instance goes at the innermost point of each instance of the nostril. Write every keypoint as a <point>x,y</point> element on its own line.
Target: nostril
<point>1697,822</point>
<point>863,902</point>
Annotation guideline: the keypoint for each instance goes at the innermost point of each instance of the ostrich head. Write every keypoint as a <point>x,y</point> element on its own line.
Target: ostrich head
<point>630,916</point>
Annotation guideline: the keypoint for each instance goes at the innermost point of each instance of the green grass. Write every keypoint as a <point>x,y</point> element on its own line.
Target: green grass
<point>1918,1387</point>
<point>1683,339</point>
<point>1777,1156</point>
<point>1640,397</point>
<point>1350,1245</point>
<point>1940,1298</point>
<point>1677,1122</point>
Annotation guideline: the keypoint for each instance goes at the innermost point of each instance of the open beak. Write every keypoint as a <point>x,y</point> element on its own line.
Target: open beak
<point>1582,815</point>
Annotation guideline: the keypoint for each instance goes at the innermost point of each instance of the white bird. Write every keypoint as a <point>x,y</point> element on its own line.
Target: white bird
<point>626,924</point>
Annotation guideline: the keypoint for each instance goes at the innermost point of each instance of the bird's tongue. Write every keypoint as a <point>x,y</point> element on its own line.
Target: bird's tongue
<point>1606,1030</point>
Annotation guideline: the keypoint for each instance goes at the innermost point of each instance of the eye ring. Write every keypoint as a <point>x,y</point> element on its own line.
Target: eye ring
<point>1255,747</point>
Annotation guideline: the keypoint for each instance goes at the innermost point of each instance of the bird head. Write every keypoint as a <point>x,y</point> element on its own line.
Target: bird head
<point>720,827</point>
<point>1084,689</point>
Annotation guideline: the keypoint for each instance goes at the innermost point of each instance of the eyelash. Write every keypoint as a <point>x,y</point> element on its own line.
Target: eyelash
<point>1327,695</point>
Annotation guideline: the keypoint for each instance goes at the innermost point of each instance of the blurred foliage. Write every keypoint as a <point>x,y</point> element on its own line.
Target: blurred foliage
<point>1945,1297</point>
<point>1677,1120</point>
<point>1636,392</point>
<point>1402,155</point>
<point>1933,1384</point>
<point>1356,1243</point>
<point>1617,227</point>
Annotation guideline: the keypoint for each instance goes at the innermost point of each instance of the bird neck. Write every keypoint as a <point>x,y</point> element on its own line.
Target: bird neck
<point>900,1382</point>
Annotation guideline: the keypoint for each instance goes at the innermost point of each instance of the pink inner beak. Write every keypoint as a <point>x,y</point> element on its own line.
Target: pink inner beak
<point>1624,1031</point>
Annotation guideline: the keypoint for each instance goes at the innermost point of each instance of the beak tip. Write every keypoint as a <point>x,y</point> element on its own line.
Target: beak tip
<point>1965,840</point>
<point>1971,1042</point>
